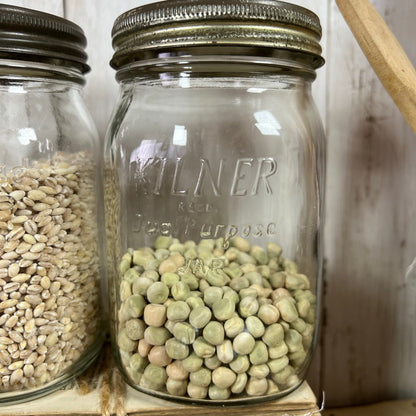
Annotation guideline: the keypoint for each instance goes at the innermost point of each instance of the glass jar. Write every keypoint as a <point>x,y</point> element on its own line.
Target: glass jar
<point>214,182</point>
<point>49,256</point>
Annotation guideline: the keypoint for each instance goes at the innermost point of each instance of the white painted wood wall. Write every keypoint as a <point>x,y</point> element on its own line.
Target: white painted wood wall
<point>368,348</point>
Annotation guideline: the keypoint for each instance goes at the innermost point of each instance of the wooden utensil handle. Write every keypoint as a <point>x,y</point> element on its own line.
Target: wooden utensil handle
<point>384,53</point>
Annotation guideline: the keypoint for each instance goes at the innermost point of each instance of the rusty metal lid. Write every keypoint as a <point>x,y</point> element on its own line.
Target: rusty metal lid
<point>31,35</point>
<point>257,26</point>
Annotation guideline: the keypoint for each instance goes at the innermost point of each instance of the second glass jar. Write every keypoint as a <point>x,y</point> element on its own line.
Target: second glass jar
<point>214,178</point>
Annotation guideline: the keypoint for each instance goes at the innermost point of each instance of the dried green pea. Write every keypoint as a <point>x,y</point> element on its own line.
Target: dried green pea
<point>162,242</point>
<point>297,358</point>
<point>169,279</point>
<point>154,377</point>
<point>137,363</point>
<point>192,363</point>
<point>140,285</point>
<point>296,281</point>
<point>202,348</point>
<point>248,292</point>
<point>131,275</point>
<point>233,326</point>
<point>233,272</point>
<point>125,290</point>
<point>142,258</point>
<point>190,280</point>
<point>162,254</point>
<point>203,285</point>
<point>155,315</point>
<point>176,387</point>
<point>248,306</point>
<point>256,386</point>
<point>281,377</point>
<point>311,316</point>
<point>125,343</point>
<point>239,283</point>
<point>240,364</point>
<point>184,332</point>
<point>265,273</point>
<point>289,266</point>
<point>248,268</point>
<point>151,274</point>
<point>293,340</point>
<point>196,392</point>
<point>239,384</point>
<point>278,351</point>
<point>231,254</point>
<point>273,250</point>
<point>217,278</point>
<point>176,371</point>
<point>213,333</point>
<point>243,343</point>
<point>259,254</point>
<point>195,302</point>
<point>169,325</point>
<point>208,244</point>
<point>179,248</point>
<point>303,306</point>
<point>255,326</point>
<point>212,294</point>
<point>135,329</point>
<point>299,324</point>
<point>212,362</point>
<point>223,309</point>
<point>230,294</point>
<point>244,258</point>
<point>269,314</point>
<point>135,305</point>
<point>225,352</point>
<point>272,387</point>
<point>240,244</point>
<point>259,370</point>
<point>125,264</point>
<point>158,356</point>
<point>200,316</point>
<point>158,292</point>
<point>274,265</point>
<point>278,364</point>
<point>201,377</point>
<point>190,254</point>
<point>278,279</point>
<point>259,354</point>
<point>287,309</point>
<point>273,335</point>
<point>217,393</point>
<point>176,349</point>
<point>180,291</point>
<point>178,311</point>
<point>156,336</point>
<point>223,377</point>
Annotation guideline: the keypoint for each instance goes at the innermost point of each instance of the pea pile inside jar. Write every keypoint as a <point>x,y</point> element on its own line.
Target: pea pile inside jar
<point>204,322</point>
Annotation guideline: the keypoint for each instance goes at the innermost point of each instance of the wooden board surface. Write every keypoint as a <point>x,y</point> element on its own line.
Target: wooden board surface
<point>391,408</point>
<point>369,331</point>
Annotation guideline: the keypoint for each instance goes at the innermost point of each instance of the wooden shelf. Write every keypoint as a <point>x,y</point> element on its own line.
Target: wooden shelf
<point>390,408</point>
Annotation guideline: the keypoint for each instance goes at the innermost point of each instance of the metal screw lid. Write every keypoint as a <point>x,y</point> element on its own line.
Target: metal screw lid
<point>262,25</point>
<point>31,35</point>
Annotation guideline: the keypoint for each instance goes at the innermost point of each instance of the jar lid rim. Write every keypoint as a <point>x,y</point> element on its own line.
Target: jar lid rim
<point>32,35</point>
<point>171,24</point>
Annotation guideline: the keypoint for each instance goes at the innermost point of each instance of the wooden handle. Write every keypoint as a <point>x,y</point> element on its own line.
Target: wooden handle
<point>384,53</point>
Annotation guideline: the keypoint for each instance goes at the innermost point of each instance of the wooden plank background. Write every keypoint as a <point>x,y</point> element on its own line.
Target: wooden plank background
<point>368,343</point>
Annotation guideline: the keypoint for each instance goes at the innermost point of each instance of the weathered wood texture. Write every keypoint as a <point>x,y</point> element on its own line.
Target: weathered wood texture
<point>369,332</point>
<point>370,329</point>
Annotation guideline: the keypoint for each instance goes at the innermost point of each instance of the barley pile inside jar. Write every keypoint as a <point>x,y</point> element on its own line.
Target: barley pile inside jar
<point>208,321</point>
<point>48,269</point>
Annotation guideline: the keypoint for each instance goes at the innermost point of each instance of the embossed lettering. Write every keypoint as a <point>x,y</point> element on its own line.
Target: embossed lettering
<point>205,171</point>
<point>238,176</point>
<point>176,175</point>
<point>264,174</point>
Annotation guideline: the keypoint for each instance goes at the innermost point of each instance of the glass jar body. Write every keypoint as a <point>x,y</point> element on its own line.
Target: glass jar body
<point>213,208</point>
<point>49,254</point>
